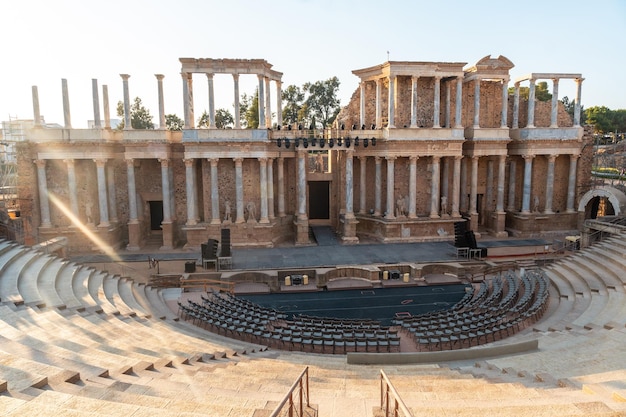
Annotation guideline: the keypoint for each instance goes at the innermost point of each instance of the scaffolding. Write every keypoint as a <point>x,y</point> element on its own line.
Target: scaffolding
<point>13,132</point>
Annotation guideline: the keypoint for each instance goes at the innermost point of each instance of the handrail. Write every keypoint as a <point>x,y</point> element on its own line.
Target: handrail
<point>302,382</point>
<point>387,389</point>
<point>207,284</point>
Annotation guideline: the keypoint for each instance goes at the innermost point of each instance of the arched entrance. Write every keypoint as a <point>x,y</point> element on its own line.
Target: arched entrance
<point>602,201</point>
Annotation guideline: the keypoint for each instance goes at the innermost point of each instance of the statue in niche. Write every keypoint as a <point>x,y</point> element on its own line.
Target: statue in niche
<point>319,163</point>
<point>227,212</point>
<point>401,206</point>
<point>251,209</point>
<point>536,205</point>
<point>444,205</point>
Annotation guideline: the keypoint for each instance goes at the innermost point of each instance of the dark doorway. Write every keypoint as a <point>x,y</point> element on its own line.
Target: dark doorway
<point>319,200</point>
<point>156,214</point>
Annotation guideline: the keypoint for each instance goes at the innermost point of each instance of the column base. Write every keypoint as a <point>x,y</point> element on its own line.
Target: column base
<point>168,236</point>
<point>500,224</point>
<point>473,222</point>
<point>348,233</point>
<point>302,231</point>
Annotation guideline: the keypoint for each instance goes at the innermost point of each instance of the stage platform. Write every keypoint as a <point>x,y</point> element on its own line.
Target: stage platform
<point>517,247</point>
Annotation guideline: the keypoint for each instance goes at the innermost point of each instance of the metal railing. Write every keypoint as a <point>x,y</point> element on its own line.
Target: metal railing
<point>207,284</point>
<point>390,402</point>
<point>295,407</point>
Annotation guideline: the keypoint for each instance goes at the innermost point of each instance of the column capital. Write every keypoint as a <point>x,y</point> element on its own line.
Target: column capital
<point>281,159</point>
<point>130,162</point>
<point>235,77</point>
<point>516,84</point>
<point>413,158</point>
<point>552,157</point>
<point>378,159</point>
<point>165,162</point>
<point>460,157</point>
<point>238,161</point>
<point>262,159</point>
<point>125,77</point>
<point>189,162</point>
<point>213,161</point>
<point>69,162</point>
<point>391,158</point>
<point>100,162</point>
<point>159,76</point>
<point>209,75</point>
<point>574,156</point>
<point>362,157</point>
<point>41,163</point>
<point>350,152</point>
<point>527,157</point>
<point>435,158</point>
<point>475,157</point>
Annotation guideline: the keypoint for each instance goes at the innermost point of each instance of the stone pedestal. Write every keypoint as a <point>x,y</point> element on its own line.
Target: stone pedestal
<point>473,222</point>
<point>168,236</point>
<point>348,232</point>
<point>134,236</point>
<point>302,232</point>
<point>499,219</point>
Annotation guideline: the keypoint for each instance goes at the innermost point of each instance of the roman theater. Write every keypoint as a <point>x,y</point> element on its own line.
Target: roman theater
<point>439,250</point>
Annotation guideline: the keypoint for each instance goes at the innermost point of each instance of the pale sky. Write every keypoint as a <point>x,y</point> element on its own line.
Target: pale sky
<point>44,41</point>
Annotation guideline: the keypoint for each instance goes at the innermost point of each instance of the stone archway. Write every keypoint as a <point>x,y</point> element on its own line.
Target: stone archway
<point>616,198</point>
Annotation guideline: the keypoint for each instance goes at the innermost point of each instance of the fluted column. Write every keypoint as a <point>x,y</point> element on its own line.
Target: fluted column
<point>105,107</point>
<point>414,100</point>
<point>111,192</point>
<point>391,110</point>
<point>362,184</point>
<point>528,173</point>
<point>412,185</point>
<point>391,173</point>
<point>515,124</point>
<point>511,199</point>
<point>42,183</point>
<point>505,103</point>
<point>477,103</point>
<point>127,119</point>
<point>456,182</point>
<point>36,111</point>
<point>215,194</point>
<point>132,191</point>
<point>550,184</point>
<point>279,103</point>
<point>554,111</point>
<point>474,186</point>
<point>501,179</point>
<point>239,189</point>
<point>270,188</point>
<point>531,104</point>
<point>458,103</point>
<point>571,185</point>
<point>262,121</point>
<point>66,104</point>
<point>435,184</point>
<point>302,216</point>
<point>191,191</point>
<point>378,189</point>
<point>71,186</point>
<point>362,103</point>
<point>579,84</point>
<point>102,192</point>
<point>463,205</point>
<point>437,103</point>
<point>211,101</point>
<point>349,212</point>
<point>236,94</point>
<point>263,189</point>
<point>165,190</point>
<point>96,104</point>
<point>268,104</point>
<point>379,117</point>
<point>281,187</point>
<point>162,124</point>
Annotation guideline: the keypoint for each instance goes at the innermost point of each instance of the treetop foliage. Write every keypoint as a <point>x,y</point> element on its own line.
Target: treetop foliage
<point>140,117</point>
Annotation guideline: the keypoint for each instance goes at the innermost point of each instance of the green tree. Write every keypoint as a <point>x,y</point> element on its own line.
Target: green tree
<point>140,117</point>
<point>541,92</point>
<point>601,118</point>
<point>293,97</point>
<point>322,100</point>
<point>173,122</point>
<point>570,106</point>
<point>249,110</point>
<point>203,121</point>
<point>224,119</point>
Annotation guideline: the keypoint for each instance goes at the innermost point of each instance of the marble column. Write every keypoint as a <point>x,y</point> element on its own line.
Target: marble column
<point>414,79</point>
<point>489,186</point>
<point>71,186</point>
<point>515,124</point>
<point>531,104</point>
<point>379,110</point>
<point>435,187</point>
<point>110,171</point>
<point>550,184</point>
<point>36,111</point>
<point>268,104</point>
<point>127,119</point>
<point>281,187</point>
<point>437,103</point>
<point>262,121</point>
<point>103,202</point>
<point>44,203</point>
<point>378,188</point>
<point>162,124</point>
<point>188,100</point>
<point>237,116</point>
<point>362,103</point>
<point>477,103</point>
<point>349,212</point>
<point>447,107</point>
<point>456,182</point>
<point>190,185</point>
<point>263,189</point>
<point>445,182</point>
<point>97,124</point>
<point>270,188</point>
<point>505,103</point>
<point>412,186</point>
<point>362,184</point>
<point>463,197</point>
<point>106,107</point>
<point>391,173</point>
<point>211,101</point>
<point>554,111</point>
<point>215,193</point>
<point>528,174</point>
<point>571,185</point>
<point>458,103</point>
<point>133,216</point>
<point>511,199</point>
<point>474,186</point>
<point>165,190</point>
<point>501,179</point>
<point>391,110</point>
<point>239,190</point>
<point>302,155</point>
<point>66,104</point>
<point>279,103</point>
<point>579,84</point>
